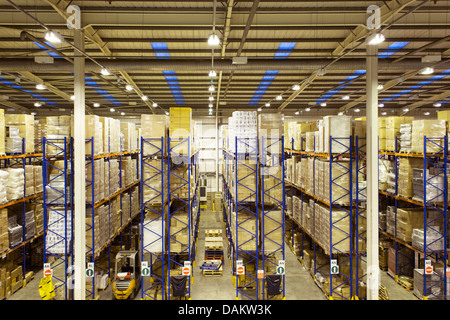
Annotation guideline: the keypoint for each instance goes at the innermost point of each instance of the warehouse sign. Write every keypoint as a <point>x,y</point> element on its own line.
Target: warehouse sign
<point>334,268</point>
<point>240,269</point>
<point>145,270</point>
<point>281,269</point>
<point>90,270</point>
<point>47,270</point>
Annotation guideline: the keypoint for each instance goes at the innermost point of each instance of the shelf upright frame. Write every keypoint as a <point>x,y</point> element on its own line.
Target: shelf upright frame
<point>244,206</point>
<point>156,161</point>
<point>436,224</point>
<point>361,213</point>
<point>57,211</point>
<point>334,203</point>
<point>276,164</point>
<point>177,204</point>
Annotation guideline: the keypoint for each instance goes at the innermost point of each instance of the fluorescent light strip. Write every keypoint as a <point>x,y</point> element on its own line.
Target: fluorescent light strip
<point>344,83</point>
<point>283,51</point>
<point>162,52</point>
<point>394,46</point>
<point>104,93</point>
<point>418,86</point>
<point>50,53</point>
<point>20,88</point>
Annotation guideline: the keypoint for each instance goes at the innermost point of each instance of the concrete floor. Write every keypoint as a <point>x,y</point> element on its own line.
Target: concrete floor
<point>299,283</point>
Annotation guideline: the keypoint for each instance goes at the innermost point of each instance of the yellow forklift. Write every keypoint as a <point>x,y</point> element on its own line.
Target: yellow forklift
<point>127,275</point>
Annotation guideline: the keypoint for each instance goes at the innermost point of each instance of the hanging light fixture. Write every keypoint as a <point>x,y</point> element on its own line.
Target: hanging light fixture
<point>122,113</point>
<point>211,98</point>
<point>40,86</point>
<point>112,109</point>
<point>295,87</point>
<point>210,105</point>
<point>211,88</point>
<point>427,70</point>
<point>308,109</point>
<point>154,104</point>
<point>96,105</point>
<point>375,39</point>
<point>212,73</point>
<point>129,87</point>
<point>213,39</point>
<point>437,104</point>
<point>54,37</point>
<point>72,97</point>
<point>267,104</point>
<point>279,97</point>
<point>345,97</point>
<point>105,72</point>
<point>380,86</point>
<point>145,98</point>
<point>323,104</point>
<point>37,104</point>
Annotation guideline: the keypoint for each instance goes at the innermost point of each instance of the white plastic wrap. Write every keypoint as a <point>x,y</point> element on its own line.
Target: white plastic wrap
<point>434,130</point>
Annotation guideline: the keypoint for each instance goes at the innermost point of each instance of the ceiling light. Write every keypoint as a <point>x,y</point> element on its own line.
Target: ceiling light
<point>213,40</point>
<point>376,38</point>
<point>296,112</point>
<point>384,113</point>
<point>211,88</point>
<point>155,104</point>
<point>427,70</point>
<point>295,87</point>
<point>345,97</point>
<point>112,109</point>
<point>167,113</point>
<point>267,104</point>
<point>426,113</point>
<point>210,105</point>
<point>340,113</point>
<point>129,87</point>
<point>279,97</point>
<point>96,105</point>
<point>122,113</point>
<point>72,97</point>
<point>405,109</point>
<point>323,104</point>
<point>211,98</point>
<point>380,105</point>
<point>145,98</point>
<point>41,86</point>
<point>308,109</point>
<point>259,109</point>
<point>380,86</point>
<point>53,37</point>
<point>212,74</point>
<point>357,110</point>
<point>105,72</point>
<point>37,104</point>
<point>33,113</point>
<point>437,104</point>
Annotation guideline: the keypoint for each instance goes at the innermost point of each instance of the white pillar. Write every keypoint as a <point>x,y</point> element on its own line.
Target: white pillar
<point>372,171</point>
<point>79,170</point>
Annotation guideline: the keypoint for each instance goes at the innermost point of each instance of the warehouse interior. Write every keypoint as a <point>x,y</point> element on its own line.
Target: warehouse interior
<point>224,150</point>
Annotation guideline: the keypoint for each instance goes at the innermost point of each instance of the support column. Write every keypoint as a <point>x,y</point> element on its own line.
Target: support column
<point>373,270</point>
<point>79,171</point>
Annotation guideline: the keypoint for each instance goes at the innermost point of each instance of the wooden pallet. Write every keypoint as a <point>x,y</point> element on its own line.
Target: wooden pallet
<point>213,233</point>
<point>382,293</point>
<point>213,272</point>
<point>405,284</point>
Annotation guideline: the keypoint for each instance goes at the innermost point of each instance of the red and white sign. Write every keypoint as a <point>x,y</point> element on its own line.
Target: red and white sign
<point>260,274</point>
<point>47,270</point>
<point>240,270</point>
<point>186,271</point>
<point>428,267</point>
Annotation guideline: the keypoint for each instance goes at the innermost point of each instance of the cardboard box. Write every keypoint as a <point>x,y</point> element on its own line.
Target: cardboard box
<point>2,132</point>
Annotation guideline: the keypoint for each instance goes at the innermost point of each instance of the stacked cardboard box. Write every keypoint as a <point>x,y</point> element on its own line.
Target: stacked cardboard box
<point>128,130</point>
<point>405,137</point>
<point>154,127</point>
<point>382,133</point>
<point>2,132</point>
<point>407,220</point>
<point>359,130</point>
<point>129,171</point>
<point>38,211</point>
<point>244,230</point>
<point>58,129</point>
<point>434,130</point>
<point>57,186</point>
<point>243,127</point>
<point>246,181</point>
<point>15,183</point>
<point>93,130</point>
<point>405,175</point>
<point>39,133</point>
<point>180,128</point>
<point>4,175</point>
<point>339,128</point>
<point>393,130</point>
<point>270,128</point>
<point>154,235</point>
<point>272,230</point>
<point>58,230</point>
<point>179,231</point>
<point>153,181</point>
<point>95,181</point>
<point>24,123</point>
<point>4,239</point>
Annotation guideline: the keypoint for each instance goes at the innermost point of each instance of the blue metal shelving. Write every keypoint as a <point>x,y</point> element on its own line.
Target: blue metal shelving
<point>272,247</point>
<point>153,217</point>
<point>58,216</point>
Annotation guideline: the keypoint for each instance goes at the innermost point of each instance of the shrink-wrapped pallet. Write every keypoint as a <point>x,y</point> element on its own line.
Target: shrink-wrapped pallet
<point>29,180</point>
<point>434,130</point>
<point>407,220</point>
<point>59,231</point>
<point>2,132</point>
<point>382,133</point>
<point>405,137</point>
<point>272,230</point>
<point>153,176</point>
<point>310,141</point>
<point>15,183</point>
<point>154,235</point>
<point>405,175</point>
<point>128,130</point>
<point>93,130</point>
<point>393,130</point>
<point>434,239</point>
<point>154,128</point>
<point>339,228</point>
<point>180,131</point>
<point>4,239</point>
<point>339,128</point>
<point>270,129</point>
<point>339,179</point>
<point>4,176</point>
<point>25,125</point>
